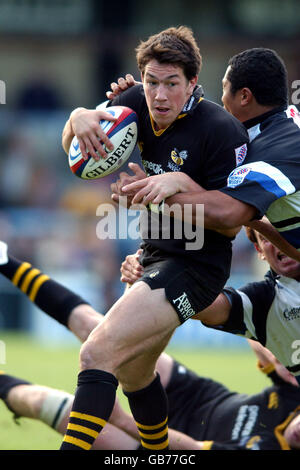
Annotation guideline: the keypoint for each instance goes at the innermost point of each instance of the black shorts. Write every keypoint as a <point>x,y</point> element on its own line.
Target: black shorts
<point>189,290</point>
<point>192,399</point>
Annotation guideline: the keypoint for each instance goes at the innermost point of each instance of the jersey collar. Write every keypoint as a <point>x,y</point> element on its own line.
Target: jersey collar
<point>262,117</point>
<point>188,108</point>
<point>279,430</point>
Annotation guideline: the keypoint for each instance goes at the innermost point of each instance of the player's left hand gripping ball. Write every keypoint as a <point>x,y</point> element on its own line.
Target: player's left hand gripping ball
<point>123,135</point>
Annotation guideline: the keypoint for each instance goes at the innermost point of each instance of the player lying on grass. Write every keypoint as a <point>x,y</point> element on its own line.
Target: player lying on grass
<point>203,414</point>
<point>52,406</point>
<point>267,311</point>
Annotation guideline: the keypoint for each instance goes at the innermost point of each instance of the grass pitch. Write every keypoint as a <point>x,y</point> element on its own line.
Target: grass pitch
<point>57,367</point>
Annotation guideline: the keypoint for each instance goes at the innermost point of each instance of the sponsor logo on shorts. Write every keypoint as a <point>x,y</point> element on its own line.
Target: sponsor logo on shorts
<point>184,306</point>
<point>152,275</point>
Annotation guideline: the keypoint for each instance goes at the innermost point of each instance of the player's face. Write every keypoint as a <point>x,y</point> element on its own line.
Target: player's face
<point>166,90</point>
<point>231,102</point>
<point>292,433</point>
<point>279,262</point>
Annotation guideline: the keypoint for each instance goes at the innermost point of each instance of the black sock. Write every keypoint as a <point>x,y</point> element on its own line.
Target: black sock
<point>149,408</point>
<point>50,296</point>
<point>7,382</point>
<point>94,401</point>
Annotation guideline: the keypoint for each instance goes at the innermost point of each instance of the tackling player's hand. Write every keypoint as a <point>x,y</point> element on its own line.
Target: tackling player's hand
<point>85,124</point>
<point>156,188</point>
<point>131,269</point>
<point>122,85</point>
<point>124,179</point>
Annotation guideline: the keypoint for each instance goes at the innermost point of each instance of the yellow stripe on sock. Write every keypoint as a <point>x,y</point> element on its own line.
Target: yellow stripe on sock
<point>77,442</point>
<point>161,446</point>
<point>28,278</point>
<point>83,429</point>
<point>19,272</point>
<point>36,285</point>
<point>158,435</point>
<point>155,426</point>
<point>92,419</point>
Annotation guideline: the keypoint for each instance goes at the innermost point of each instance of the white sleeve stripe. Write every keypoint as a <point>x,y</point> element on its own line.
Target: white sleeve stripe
<point>247,313</point>
<point>273,173</point>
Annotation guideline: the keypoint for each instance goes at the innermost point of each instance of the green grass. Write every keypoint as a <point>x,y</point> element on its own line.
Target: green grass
<point>57,367</point>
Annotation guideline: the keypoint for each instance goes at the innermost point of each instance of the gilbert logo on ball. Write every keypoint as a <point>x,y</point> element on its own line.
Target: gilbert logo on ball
<point>123,135</point>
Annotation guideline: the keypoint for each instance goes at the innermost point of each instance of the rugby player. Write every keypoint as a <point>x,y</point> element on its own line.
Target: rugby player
<point>203,413</point>
<point>268,180</point>
<point>266,311</point>
<point>178,130</point>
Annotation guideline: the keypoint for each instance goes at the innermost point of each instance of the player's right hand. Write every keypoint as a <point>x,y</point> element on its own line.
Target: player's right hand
<point>131,269</point>
<point>122,85</point>
<point>85,124</point>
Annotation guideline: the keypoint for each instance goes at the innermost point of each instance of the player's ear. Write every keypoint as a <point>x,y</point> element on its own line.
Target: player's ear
<point>246,96</point>
<point>193,83</point>
<point>259,251</point>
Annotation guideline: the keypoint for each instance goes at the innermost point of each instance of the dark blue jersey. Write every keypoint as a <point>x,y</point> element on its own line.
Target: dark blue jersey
<point>270,177</point>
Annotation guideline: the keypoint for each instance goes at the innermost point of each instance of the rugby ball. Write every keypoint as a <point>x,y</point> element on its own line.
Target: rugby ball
<point>123,135</point>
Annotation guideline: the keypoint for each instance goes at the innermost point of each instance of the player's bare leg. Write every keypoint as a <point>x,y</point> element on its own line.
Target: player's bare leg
<point>139,324</point>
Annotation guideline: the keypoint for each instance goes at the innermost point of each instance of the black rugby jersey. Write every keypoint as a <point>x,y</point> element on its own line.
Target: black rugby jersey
<point>225,420</point>
<point>270,177</point>
<point>269,312</point>
<point>253,422</point>
<point>204,142</point>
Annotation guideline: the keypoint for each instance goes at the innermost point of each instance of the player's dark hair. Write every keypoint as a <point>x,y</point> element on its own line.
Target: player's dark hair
<point>251,234</point>
<point>263,72</point>
<point>172,46</point>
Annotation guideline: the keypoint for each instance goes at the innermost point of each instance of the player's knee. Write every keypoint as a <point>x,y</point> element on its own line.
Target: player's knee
<point>98,356</point>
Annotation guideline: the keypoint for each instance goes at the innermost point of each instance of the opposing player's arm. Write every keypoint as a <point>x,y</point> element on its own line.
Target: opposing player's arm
<point>220,210</point>
<point>270,365</point>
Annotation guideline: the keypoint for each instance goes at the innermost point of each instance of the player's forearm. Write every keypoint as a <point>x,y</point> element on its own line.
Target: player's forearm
<point>180,441</point>
<point>269,232</point>
<point>221,212</point>
<point>67,136</point>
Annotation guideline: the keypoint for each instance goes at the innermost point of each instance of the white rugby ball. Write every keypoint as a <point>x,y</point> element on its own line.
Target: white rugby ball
<point>123,135</point>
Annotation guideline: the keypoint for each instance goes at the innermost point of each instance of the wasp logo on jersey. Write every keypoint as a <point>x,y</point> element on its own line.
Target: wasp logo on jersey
<point>178,158</point>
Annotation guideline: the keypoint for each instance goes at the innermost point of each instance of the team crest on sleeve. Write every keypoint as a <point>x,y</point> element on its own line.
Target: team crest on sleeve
<point>240,154</point>
<point>237,176</point>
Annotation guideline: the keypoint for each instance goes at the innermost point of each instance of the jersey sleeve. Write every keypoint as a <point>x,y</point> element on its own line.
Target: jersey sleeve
<point>258,184</point>
<point>133,98</point>
<point>249,310</point>
<point>226,142</point>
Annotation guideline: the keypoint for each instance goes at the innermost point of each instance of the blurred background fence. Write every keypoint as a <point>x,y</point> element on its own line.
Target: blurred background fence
<point>59,54</point>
